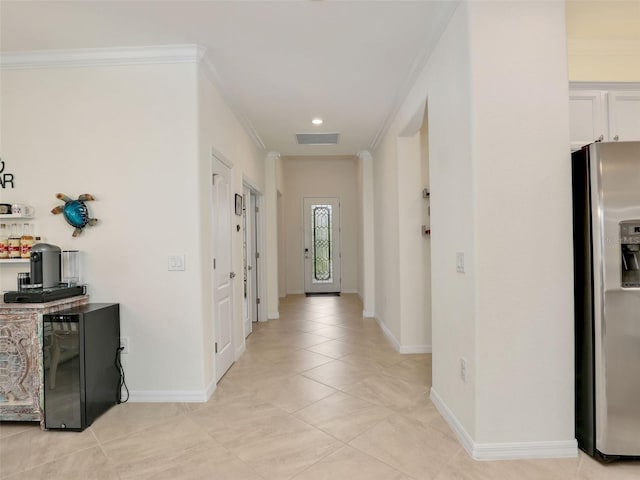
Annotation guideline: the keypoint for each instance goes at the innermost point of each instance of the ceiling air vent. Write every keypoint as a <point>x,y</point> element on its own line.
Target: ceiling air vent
<point>317,138</point>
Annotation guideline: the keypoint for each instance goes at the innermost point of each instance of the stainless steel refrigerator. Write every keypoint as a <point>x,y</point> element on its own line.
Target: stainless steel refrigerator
<point>606,217</point>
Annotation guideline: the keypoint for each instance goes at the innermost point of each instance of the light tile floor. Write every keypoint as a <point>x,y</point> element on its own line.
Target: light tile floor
<point>319,394</point>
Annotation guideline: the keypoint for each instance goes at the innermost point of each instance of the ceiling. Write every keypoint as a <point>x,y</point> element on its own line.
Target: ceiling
<point>279,63</point>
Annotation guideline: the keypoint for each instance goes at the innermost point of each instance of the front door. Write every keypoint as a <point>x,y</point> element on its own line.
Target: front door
<point>322,245</point>
<point>222,275</point>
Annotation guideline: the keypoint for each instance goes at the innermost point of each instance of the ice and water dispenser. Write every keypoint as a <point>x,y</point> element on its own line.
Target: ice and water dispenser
<point>630,253</point>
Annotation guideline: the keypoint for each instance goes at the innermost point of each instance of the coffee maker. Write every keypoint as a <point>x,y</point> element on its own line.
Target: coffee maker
<point>45,278</point>
<point>46,267</point>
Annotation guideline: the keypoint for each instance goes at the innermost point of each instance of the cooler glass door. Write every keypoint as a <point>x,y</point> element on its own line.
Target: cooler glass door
<point>62,372</point>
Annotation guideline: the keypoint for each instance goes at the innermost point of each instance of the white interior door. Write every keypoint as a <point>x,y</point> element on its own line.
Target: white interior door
<point>222,274</point>
<point>251,259</point>
<point>247,263</point>
<point>255,256</point>
<point>322,245</point>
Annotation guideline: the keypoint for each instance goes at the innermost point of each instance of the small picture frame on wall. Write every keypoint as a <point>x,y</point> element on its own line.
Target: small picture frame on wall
<point>238,204</point>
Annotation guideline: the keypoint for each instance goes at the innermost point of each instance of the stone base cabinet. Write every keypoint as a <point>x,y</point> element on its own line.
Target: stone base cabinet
<point>609,112</point>
<point>21,357</point>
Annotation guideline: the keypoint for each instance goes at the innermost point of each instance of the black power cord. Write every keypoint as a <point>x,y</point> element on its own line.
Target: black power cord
<point>121,382</point>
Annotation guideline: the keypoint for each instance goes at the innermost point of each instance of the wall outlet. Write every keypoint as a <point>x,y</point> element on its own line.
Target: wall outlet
<point>460,262</point>
<point>124,345</point>
<point>463,369</point>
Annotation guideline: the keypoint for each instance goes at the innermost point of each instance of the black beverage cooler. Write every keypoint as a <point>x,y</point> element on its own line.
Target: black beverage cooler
<point>81,364</point>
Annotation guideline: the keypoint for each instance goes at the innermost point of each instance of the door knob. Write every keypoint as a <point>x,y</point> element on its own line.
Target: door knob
<point>232,275</point>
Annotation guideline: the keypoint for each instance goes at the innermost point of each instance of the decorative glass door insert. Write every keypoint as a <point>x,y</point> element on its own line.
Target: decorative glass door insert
<point>321,248</point>
<point>322,245</point>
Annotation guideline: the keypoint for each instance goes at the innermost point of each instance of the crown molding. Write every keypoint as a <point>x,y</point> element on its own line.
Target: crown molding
<point>364,155</point>
<point>273,156</point>
<point>147,55</point>
<point>213,76</point>
<point>580,85</point>
<point>600,47</point>
<point>89,57</point>
<point>440,23</point>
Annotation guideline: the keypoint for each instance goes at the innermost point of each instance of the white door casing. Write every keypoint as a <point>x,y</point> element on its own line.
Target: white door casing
<point>250,262</point>
<point>322,258</point>
<point>222,274</point>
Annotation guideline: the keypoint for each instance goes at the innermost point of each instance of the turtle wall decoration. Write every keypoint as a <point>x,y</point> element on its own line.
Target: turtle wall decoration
<point>75,212</point>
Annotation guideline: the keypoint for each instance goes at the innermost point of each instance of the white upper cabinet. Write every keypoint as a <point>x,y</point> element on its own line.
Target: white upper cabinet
<point>587,114</point>
<point>605,112</point>
<point>624,115</point>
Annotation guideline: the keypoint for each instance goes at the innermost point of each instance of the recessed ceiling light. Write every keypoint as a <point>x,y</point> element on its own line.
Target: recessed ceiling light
<point>317,121</point>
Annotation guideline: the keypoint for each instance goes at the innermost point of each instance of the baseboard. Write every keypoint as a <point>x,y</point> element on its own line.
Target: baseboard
<point>409,349</point>
<point>273,315</point>
<point>368,314</point>
<point>349,292</point>
<point>211,388</point>
<point>464,438</point>
<point>526,450</point>
<point>504,451</point>
<point>404,349</point>
<point>240,350</point>
<point>387,333</point>
<point>172,396</point>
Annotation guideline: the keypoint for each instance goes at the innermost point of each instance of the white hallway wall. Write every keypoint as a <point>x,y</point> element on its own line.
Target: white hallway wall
<point>490,101</point>
<point>220,133</point>
<point>415,320</point>
<point>445,82</point>
<point>520,89</point>
<point>129,135</point>
<point>280,188</point>
<point>274,186</point>
<point>320,177</point>
<point>386,231</point>
<point>366,246</point>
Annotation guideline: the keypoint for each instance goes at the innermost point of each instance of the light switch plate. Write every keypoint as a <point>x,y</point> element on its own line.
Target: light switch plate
<point>176,263</point>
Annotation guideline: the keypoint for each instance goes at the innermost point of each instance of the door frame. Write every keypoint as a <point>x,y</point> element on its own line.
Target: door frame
<point>336,285</point>
<point>252,235</point>
<point>261,245</point>
<point>248,268</point>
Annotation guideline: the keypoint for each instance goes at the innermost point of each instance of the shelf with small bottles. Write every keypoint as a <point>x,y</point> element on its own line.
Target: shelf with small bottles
<point>16,239</point>
<point>13,261</point>
<point>14,216</point>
